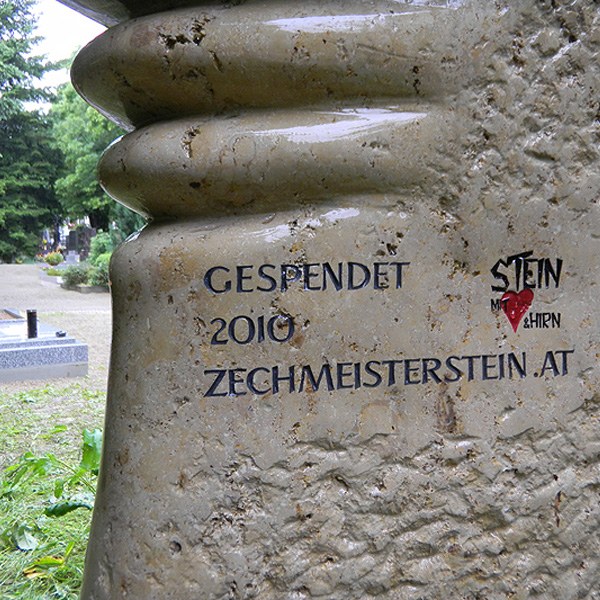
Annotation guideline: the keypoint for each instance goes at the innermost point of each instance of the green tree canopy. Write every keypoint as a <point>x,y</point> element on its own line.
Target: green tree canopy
<point>28,162</point>
<point>18,67</point>
<point>82,134</point>
<point>47,162</point>
<point>28,168</point>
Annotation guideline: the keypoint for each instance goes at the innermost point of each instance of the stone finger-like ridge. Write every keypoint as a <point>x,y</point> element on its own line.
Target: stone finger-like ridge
<point>111,12</point>
<point>211,60</point>
<point>275,105</point>
<point>257,162</point>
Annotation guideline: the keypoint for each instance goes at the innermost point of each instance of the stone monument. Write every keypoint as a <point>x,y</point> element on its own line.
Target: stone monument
<point>355,353</point>
<point>30,349</point>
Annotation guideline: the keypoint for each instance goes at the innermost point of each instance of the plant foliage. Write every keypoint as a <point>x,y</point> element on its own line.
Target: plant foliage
<point>82,134</point>
<point>19,68</point>
<point>51,488</point>
<point>28,162</point>
<point>102,243</point>
<point>54,258</point>
<point>99,272</point>
<point>76,275</point>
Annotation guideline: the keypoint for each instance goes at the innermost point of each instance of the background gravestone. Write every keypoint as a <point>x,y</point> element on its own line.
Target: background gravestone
<point>72,247</point>
<point>355,353</point>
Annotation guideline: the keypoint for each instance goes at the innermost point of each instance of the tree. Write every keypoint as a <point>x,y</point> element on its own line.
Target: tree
<point>28,163</point>
<point>18,68</point>
<point>82,134</point>
<point>33,177</point>
<point>28,168</point>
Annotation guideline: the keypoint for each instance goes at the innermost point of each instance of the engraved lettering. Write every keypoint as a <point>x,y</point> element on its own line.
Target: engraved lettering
<point>252,385</point>
<point>328,377</point>
<point>311,277</point>
<point>370,370</point>
<point>430,372</point>
<point>241,278</point>
<point>399,266</point>
<point>519,366</point>
<point>336,278</point>
<point>244,329</point>
<point>356,284</point>
<point>344,373</point>
<point>277,379</point>
<point>315,383</point>
<point>234,381</point>
<point>264,275</point>
<point>457,373</point>
<point>308,275</point>
<point>409,370</point>
<point>216,341</point>
<point>286,278</point>
<point>212,390</point>
<point>208,280</point>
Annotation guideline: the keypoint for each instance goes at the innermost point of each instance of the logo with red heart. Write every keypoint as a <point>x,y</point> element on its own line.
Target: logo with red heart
<point>515,305</point>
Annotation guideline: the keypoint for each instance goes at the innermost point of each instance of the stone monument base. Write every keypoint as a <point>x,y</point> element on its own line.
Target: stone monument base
<point>43,357</point>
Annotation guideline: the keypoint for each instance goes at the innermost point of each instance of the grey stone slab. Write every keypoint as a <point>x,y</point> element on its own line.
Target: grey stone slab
<point>36,342</point>
<point>54,354</point>
<point>43,372</point>
<point>17,329</point>
<point>72,258</point>
<point>42,357</point>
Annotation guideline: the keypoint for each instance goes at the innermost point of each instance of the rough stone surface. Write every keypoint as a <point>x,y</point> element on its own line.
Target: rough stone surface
<point>316,391</point>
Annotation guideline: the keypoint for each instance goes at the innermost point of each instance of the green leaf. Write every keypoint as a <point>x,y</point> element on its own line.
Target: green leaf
<point>23,538</point>
<point>59,488</point>
<point>6,539</point>
<point>69,549</point>
<point>44,464</point>
<point>57,429</point>
<point>47,561</point>
<point>91,450</point>
<point>43,567</point>
<point>59,509</point>
<point>27,468</point>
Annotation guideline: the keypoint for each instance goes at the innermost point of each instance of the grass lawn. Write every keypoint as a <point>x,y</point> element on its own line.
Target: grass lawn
<point>47,479</point>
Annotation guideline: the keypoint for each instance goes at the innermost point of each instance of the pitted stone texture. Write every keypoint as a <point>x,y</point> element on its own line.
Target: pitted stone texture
<point>213,60</point>
<point>259,162</point>
<point>480,488</point>
<point>484,486</point>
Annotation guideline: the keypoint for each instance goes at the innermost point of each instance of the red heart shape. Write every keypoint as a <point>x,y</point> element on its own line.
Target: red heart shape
<point>515,305</point>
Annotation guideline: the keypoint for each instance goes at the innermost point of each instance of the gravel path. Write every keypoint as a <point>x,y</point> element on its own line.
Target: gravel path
<point>86,317</point>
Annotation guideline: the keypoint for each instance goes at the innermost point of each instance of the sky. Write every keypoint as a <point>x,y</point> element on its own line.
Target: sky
<point>64,31</point>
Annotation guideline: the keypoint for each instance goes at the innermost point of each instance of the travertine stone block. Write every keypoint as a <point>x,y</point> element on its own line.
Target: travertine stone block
<point>355,353</point>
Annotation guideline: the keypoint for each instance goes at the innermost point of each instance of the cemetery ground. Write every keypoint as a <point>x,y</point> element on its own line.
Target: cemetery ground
<point>49,446</point>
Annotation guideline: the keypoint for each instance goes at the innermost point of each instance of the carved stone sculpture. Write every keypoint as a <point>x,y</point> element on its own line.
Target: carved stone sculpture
<point>355,353</point>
